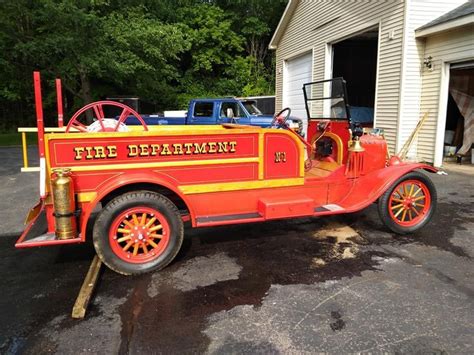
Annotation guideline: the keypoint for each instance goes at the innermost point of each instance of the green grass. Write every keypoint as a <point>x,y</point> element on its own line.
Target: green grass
<point>14,138</point>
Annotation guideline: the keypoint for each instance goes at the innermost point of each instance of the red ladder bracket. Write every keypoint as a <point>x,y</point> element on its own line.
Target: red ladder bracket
<point>40,125</point>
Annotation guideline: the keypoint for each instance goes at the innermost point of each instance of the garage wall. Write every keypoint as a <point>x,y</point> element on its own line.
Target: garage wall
<point>449,47</point>
<point>418,13</point>
<point>315,23</point>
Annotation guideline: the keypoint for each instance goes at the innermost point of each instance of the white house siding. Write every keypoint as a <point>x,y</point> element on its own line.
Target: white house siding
<point>448,47</point>
<point>310,28</point>
<point>418,13</point>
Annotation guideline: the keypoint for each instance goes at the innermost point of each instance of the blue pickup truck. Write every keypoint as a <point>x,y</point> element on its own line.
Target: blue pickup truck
<point>217,111</point>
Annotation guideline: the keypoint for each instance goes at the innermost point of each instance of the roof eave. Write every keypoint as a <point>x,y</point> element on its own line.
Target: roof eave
<point>285,18</point>
<point>445,26</point>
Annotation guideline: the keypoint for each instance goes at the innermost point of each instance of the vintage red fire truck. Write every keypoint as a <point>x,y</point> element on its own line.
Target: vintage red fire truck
<point>144,182</point>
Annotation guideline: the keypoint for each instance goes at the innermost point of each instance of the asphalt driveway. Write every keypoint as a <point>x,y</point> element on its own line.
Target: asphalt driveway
<point>342,284</point>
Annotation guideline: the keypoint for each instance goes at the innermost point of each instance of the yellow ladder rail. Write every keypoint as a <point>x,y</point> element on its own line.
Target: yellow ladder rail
<point>24,131</point>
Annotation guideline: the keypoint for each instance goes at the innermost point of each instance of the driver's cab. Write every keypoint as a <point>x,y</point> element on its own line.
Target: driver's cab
<point>338,143</point>
<point>328,119</point>
<point>329,126</point>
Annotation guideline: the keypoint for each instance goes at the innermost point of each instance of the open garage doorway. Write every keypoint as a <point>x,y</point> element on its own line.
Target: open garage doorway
<point>355,59</point>
<point>459,129</point>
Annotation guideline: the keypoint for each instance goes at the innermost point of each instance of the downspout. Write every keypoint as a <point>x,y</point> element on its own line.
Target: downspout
<point>398,140</point>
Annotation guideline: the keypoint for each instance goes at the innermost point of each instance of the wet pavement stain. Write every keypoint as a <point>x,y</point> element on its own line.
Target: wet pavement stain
<point>250,259</point>
<point>170,309</point>
<point>37,285</point>
<point>338,323</point>
<point>448,218</point>
<point>130,311</point>
<point>177,305</point>
<point>205,271</point>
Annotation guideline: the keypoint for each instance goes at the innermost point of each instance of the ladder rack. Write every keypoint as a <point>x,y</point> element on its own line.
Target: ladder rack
<point>24,130</point>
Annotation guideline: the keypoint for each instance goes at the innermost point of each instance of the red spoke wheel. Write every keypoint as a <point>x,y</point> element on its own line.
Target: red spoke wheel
<point>103,124</point>
<point>409,204</point>
<point>138,232</point>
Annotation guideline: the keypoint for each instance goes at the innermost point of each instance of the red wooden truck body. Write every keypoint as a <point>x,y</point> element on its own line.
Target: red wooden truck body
<point>213,175</point>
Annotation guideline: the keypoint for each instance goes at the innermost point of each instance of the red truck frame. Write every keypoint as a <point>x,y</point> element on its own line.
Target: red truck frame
<point>145,182</point>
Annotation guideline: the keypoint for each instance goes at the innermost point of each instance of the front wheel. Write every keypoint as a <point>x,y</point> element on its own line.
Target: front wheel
<point>138,232</point>
<point>408,204</point>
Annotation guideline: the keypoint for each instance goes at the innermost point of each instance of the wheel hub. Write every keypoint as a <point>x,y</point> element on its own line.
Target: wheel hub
<point>409,203</point>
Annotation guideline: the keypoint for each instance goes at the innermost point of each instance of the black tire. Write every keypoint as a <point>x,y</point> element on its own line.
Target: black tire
<point>134,200</point>
<point>384,204</point>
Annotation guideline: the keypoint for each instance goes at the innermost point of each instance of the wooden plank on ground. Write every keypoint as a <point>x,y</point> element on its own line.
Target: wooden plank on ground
<point>84,296</point>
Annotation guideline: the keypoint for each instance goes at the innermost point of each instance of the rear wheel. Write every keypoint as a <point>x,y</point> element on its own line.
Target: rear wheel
<point>409,204</point>
<point>138,232</point>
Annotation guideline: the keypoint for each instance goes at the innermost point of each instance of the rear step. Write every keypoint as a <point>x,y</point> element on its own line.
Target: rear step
<point>46,239</point>
<point>36,233</point>
<point>282,207</point>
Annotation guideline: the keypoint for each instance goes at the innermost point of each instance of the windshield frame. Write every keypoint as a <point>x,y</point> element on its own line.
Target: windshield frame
<point>343,95</point>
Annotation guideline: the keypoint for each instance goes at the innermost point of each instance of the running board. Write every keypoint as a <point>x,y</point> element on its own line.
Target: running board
<point>46,240</point>
<point>273,208</point>
<point>228,219</point>
<point>328,209</point>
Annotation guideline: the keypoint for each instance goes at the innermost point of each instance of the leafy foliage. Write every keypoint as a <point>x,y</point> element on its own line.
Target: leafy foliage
<point>165,52</point>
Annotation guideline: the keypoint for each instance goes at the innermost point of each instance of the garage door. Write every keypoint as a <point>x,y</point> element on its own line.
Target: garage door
<point>298,72</point>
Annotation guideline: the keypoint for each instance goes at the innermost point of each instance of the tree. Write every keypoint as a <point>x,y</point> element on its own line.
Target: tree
<point>213,48</point>
<point>256,20</point>
<point>84,41</point>
<point>163,51</point>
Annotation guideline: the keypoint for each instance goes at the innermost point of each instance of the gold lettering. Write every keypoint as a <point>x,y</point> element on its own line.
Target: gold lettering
<point>79,151</point>
<point>89,153</point>
<point>144,150</point>
<point>280,157</point>
<point>232,146</point>
<point>132,150</point>
<point>155,148</point>
<point>212,147</point>
<point>112,151</point>
<point>99,152</point>
<point>200,149</point>
<point>165,149</point>
<point>178,149</point>
<point>188,147</point>
<point>222,147</point>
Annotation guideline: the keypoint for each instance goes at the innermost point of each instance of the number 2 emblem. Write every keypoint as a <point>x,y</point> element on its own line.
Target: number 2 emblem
<point>280,157</point>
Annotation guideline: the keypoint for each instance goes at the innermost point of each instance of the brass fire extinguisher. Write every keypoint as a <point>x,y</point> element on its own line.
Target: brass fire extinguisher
<point>64,204</point>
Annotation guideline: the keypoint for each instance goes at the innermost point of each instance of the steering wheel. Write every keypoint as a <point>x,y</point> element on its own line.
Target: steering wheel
<point>103,124</point>
<point>281,117</point>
